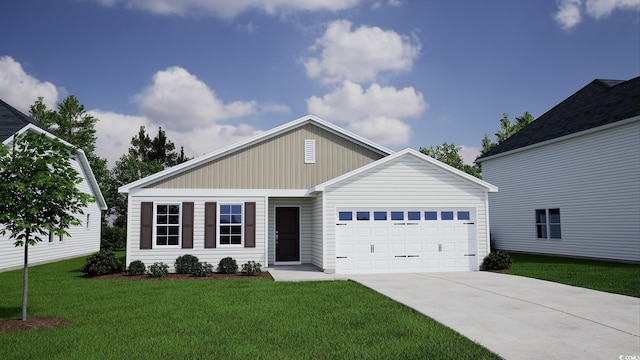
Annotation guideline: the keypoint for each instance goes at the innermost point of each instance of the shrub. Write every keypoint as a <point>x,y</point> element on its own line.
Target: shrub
<point>113,238</point>
<point>202,269</point>
<point>185,264</point>
<point>227,266</point>
<point>251,268</point>
<point>497,260</point>
<point>136,268</point>
<point>158,269</point>
<point>102,263</point>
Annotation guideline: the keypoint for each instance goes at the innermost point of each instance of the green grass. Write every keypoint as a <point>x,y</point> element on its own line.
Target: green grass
<point>217,319</point>
<point>613,277</point>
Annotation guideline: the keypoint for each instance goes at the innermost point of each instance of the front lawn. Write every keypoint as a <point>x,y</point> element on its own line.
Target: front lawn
<point>613,277</point>
<point>217,319</point>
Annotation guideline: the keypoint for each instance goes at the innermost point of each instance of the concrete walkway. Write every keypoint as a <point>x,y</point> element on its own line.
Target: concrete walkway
<point>518,317</point>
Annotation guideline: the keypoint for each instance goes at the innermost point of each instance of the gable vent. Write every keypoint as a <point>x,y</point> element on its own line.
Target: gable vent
<point>309,151</point>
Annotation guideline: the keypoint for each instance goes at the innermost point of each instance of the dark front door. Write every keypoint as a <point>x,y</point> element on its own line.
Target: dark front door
<point>287,234</point>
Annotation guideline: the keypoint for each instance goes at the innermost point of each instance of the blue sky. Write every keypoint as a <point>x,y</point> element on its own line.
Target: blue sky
<point>401,73</point>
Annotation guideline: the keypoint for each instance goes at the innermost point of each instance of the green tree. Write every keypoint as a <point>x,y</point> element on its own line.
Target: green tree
<point>450,155</point>
<point>71,123</point>
<point>38,193</point>
<point>507,129</point>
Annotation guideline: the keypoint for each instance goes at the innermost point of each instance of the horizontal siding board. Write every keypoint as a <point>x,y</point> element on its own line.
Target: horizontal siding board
<point>168,255</point>
<point>593,179</point>
<point>404,183</point>
<point>277,163</point>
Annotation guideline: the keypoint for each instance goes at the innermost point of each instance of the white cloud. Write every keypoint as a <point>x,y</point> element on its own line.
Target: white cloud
<point>231,9</point>
<point>374,113</point>
<point>20,89</point>
<point>179,101</point>
<point>570,12</point>
<point>114,132</point>
<point>469,154</point>
<point>360,55</point>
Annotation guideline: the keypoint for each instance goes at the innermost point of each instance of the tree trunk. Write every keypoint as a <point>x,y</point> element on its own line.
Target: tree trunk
<point>25,279</point>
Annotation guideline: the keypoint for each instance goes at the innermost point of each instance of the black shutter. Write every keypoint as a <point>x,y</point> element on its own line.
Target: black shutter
<point>187,225</point>
<point>210,209</point>
<point>250,225</point>
<point>146,225</point>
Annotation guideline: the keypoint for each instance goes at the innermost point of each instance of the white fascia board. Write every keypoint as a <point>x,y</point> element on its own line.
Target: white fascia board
<point>142,192</point>
<point>473,179</point>
<point>563,138</point>
<point>82,157</point>
<point>251,141</point>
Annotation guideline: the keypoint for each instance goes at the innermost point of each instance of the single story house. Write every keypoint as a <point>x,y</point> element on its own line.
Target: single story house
<point>84,239</point>
<point>570,181</point>
<point>311,192</point>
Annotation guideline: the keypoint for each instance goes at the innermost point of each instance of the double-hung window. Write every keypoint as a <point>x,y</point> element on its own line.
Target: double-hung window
<point>167,224</point>
<point>230,222</point>
<point>548,224</point>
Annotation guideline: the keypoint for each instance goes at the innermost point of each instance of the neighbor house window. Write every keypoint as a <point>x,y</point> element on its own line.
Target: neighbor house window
<point>230,224</point>
<point>167,224</point>
<point>548,224</point>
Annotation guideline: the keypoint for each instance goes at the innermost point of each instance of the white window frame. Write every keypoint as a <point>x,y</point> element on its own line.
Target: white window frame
<point>155,224</point>
<point>548,224</point>
<point>219,224</point>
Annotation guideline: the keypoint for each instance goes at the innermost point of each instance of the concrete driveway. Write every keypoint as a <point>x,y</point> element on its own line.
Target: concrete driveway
<point>518,317</point>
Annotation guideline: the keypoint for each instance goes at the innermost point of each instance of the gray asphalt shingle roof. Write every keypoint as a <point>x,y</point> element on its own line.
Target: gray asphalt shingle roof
<point>599,103</point>
<point>12,120</point>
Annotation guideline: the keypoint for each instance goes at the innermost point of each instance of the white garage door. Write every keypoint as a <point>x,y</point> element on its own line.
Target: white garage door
<point>397,240</point>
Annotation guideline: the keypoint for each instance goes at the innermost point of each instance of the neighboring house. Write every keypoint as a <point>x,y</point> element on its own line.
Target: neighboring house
<point>311,192</point>
<point>570,181</point>
<point>84,239</point>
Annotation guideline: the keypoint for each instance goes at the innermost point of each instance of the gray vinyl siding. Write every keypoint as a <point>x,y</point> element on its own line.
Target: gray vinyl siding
<point>593,179</point>
<point>213,256</point>
<point>83,240</point>
<point>277,163</point>
<point>403,183</point>
<point>305,226</point>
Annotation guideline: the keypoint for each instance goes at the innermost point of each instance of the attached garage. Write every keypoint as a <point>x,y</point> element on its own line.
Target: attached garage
<point>405,213</point>
<point>398,240</point>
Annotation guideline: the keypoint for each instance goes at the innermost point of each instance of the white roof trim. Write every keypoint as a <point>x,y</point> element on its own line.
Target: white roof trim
<point>91,179</point>
<point>563,138</point>
<point>251,141</point>
<point>488,187</point>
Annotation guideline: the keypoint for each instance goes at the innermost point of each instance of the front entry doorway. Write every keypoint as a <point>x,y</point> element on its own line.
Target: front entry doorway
<point>287,234</point>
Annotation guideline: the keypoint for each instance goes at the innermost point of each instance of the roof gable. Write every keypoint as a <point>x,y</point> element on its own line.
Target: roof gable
<point>255,141</point>
<point>12,121</point>
<point>601,102</point>
<point>408,152</point>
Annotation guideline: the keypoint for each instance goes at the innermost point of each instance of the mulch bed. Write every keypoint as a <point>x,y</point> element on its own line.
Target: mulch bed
<point>35,323</point>
<point>173,276</point>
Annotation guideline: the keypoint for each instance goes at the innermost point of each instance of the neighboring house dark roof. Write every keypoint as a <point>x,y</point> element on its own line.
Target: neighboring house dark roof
<point>12,120</point>
<point>600,103</point>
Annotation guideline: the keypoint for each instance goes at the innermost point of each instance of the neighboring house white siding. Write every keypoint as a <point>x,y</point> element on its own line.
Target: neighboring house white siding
<point>168,254</point>
<point>594,180</point>
<point>84,239</point>
<point>404,183</point>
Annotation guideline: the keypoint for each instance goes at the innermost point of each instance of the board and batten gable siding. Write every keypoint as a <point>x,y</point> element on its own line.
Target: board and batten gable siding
<point>168,254</point>
<point>84,240</point>
<point>593,179</point>
<point>404,183</point>
<point>277,163</point>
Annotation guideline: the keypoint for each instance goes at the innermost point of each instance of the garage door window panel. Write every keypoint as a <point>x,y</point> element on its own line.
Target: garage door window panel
<point>446,215</point>
<point>379,215</point>
<point>345,216</point>
<point>397,215</point>
<point>464,215</point>
<point>413,215</point>
<point>431,215</point>
<point>363,215</point>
